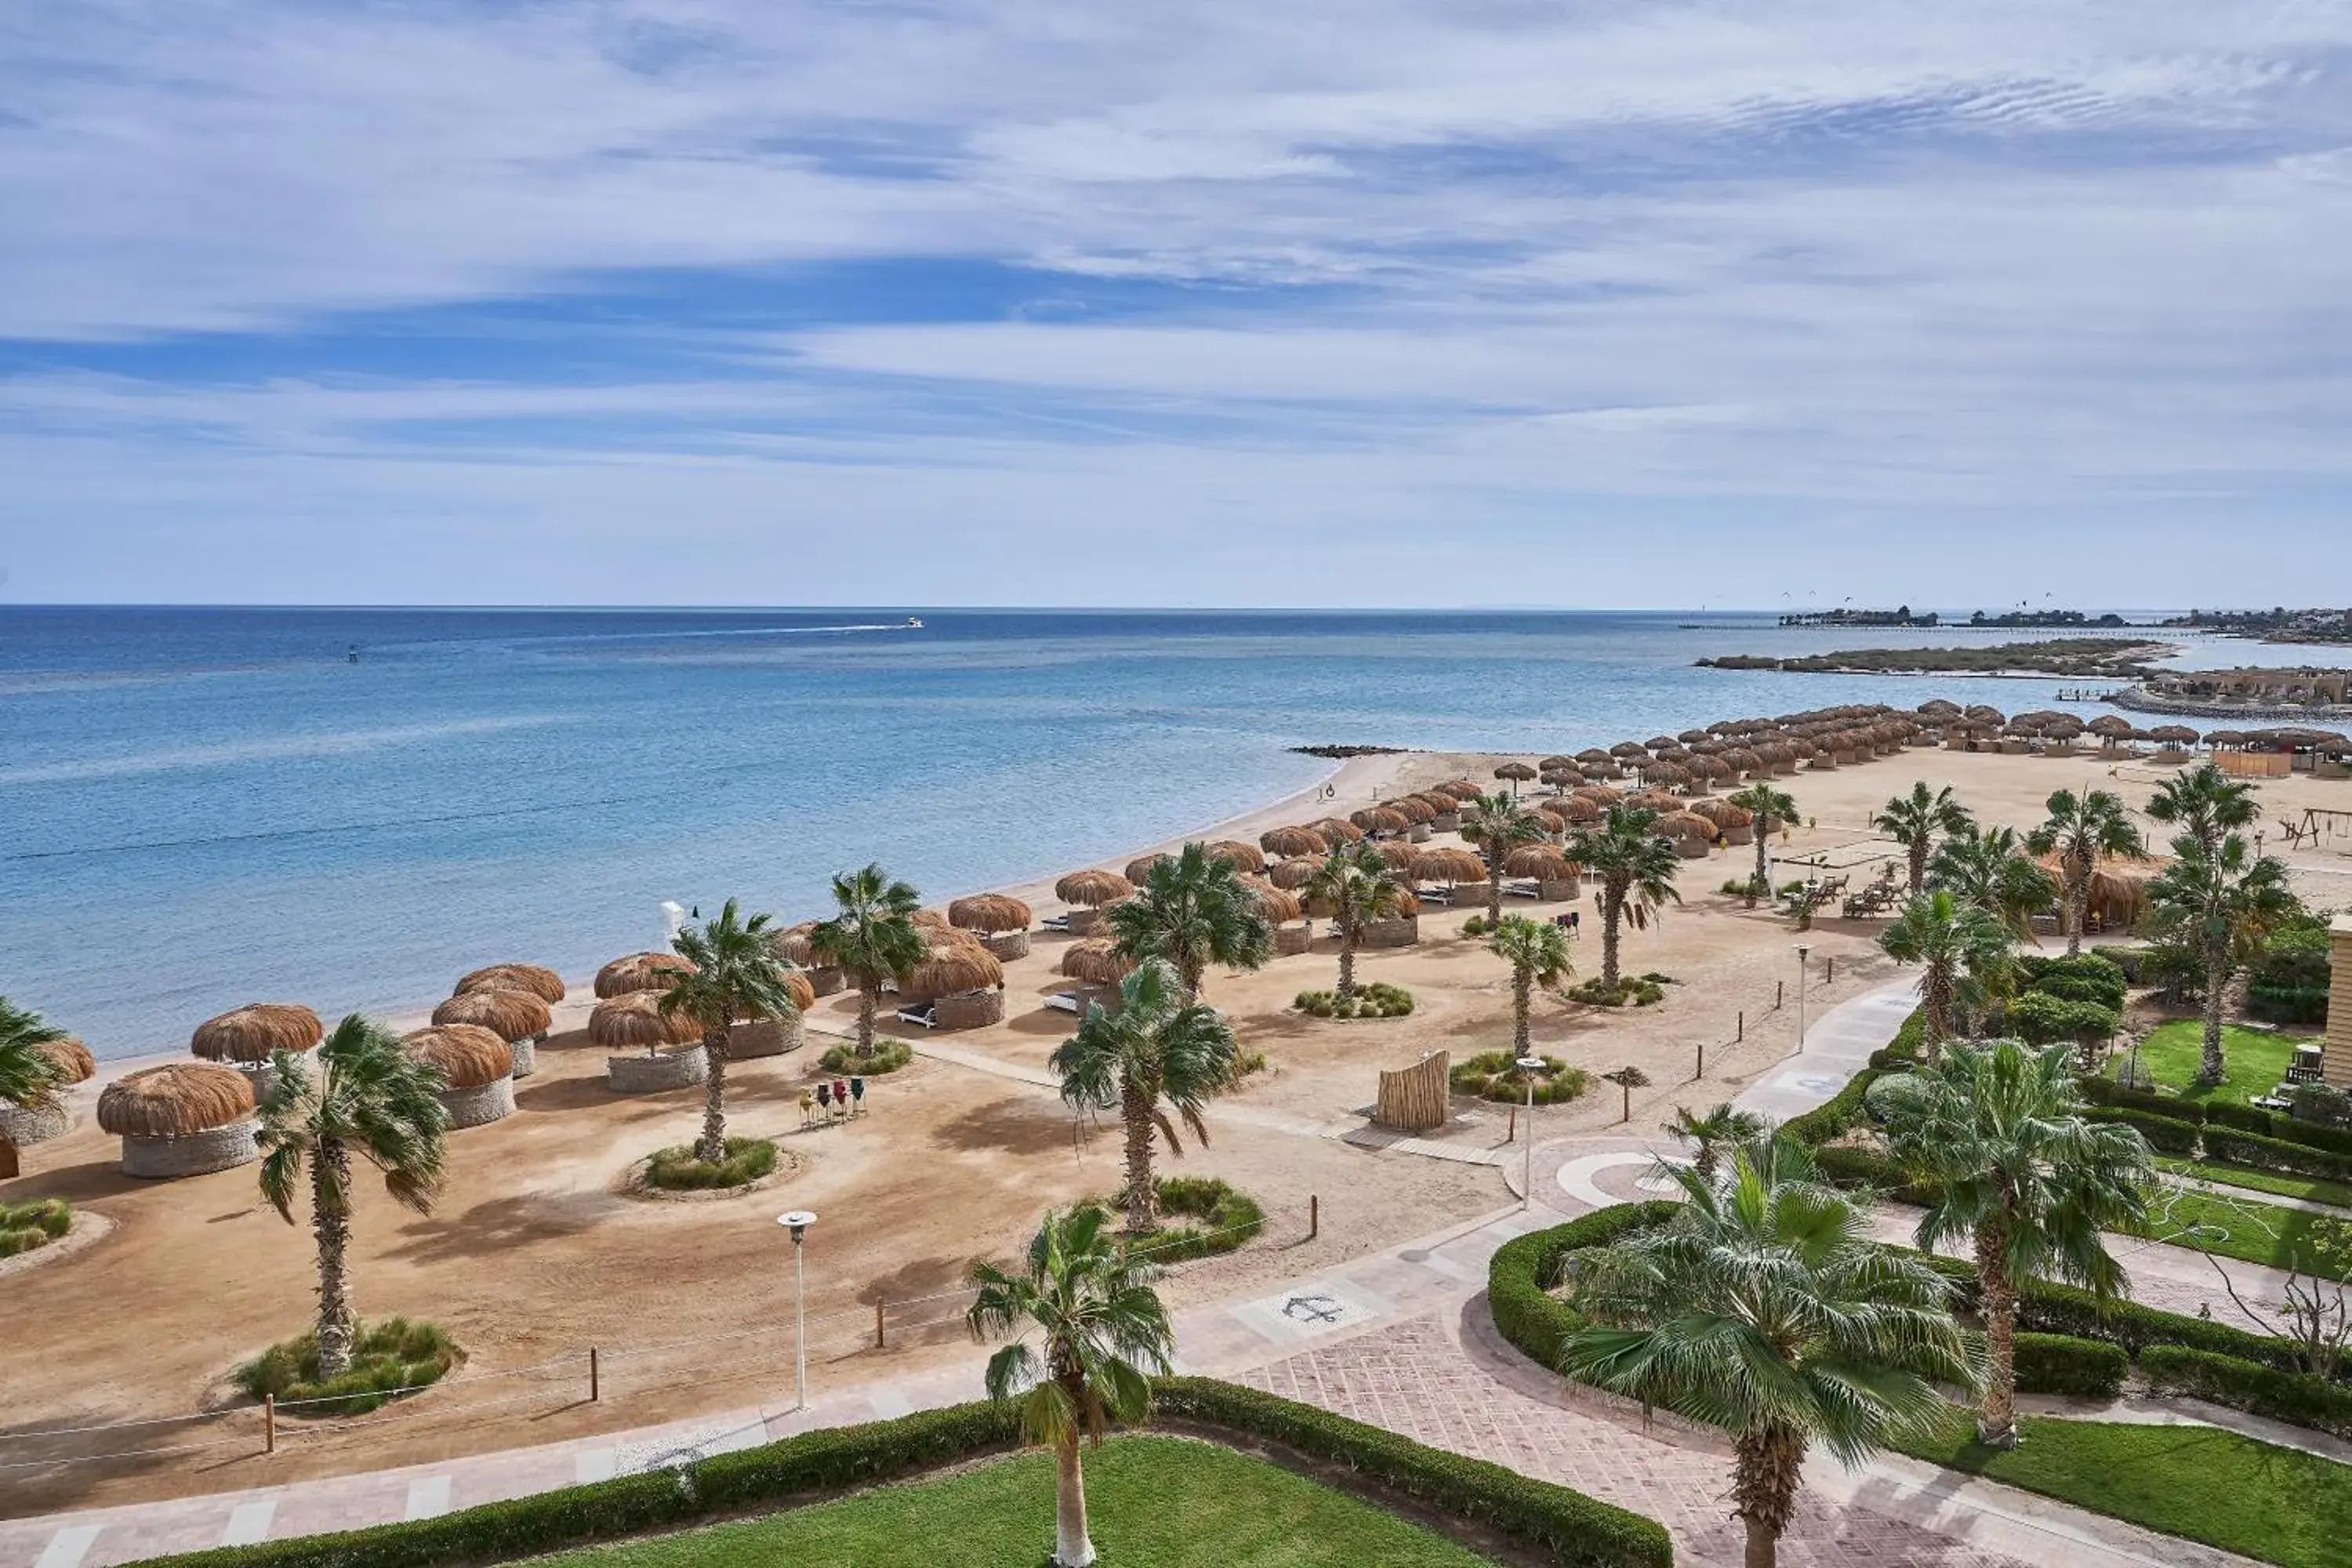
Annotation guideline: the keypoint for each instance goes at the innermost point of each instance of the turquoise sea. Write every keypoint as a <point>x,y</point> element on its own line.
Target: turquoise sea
<point>208,807</point>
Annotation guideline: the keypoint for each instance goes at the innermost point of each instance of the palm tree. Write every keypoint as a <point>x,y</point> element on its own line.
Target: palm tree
<point>367,1097</point>
<point>871,940</point>
<point>1965,951</point>
<point>29,1077</point>
<point>1160,1047</point>
<point>1497,824</point>
<point>2204,801</point>
<point>1536,951</point>
<point>1913,821</point>
<point>2221,902</point>
<point>1723,1131</point>
<point>1765,1308</point>
<point>1989,869</point>
<point>1771,807</point>
<point>1105,1335</point>
<point>1998,1129</point>
<point>736,978</point>
<point>1637,869</point>
<point>1193,912</point>
<point>1353,883</point>
<point>2080,830</point>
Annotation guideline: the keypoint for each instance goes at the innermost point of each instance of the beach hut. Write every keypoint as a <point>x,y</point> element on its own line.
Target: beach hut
<point>639,972</point>
<point>652,1050</point>
<point>477,1069</point>
<point>1091,893</point>
<point>536,979</point>
<point>183,1119</point>
<point>519,1018</point>
<point>23,1127</point>
<point>1293,841</point>
<point>248,1037</point>
<point>1001,920</point>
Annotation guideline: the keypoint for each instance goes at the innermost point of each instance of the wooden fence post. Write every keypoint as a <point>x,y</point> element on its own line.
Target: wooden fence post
<point>879,1342</point>
<point>593,1391</point>
<point>1313,1216</point>
<point>1780,995</point>
<point>269,1422</point>
<point>1513,1135</point>
<point>1702,1063</point>
<point>1742,1039</point>
<point>1828,970</point>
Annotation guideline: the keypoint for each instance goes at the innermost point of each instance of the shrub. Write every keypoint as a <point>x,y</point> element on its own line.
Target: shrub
<point>2232,1113</point>
<point>1475,926</point>
<point>2279,1154</point>
<point>1377,1000</point>
<point>2038,1018</point>
<point>2100,1090</point>
<point>2060,1363</point>
<point>1494,1075</point>
<point>388,1360</point>
<point>1640,990</point>
<point>2296,959</point>
<point>2086,977</point>
<point>889,1057</point>
<point>2292,1005</point>
<point>2321,1104</point>
<point>2166,1135</point>
<point>1229,1218</point>
<point>678,1169</point>
<point>1833,1118</point>
<point>1573,1527</point>
<point>1520,1276</point>
<point>1576,1529</point>
<point>2291,1396</point>
<point>23,1227</point>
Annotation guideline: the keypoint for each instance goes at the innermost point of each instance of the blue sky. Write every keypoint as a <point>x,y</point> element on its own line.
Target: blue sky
<point>731,301</point>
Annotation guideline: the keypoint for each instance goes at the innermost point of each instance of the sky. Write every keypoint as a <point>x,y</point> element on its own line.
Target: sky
<point>1466,302</point>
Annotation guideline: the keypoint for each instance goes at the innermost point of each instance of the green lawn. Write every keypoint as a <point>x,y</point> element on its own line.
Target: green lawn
<point>1153,1503</point>
<point>2244,1228</point>
<point>2280,1505</point>
<point>2307,1188</point>
<point>2254,1061</point>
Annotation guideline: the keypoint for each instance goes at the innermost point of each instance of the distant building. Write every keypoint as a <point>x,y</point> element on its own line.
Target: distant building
<point>2304,688</point>
<point>2336,1063</point>
<point>1900,616</point>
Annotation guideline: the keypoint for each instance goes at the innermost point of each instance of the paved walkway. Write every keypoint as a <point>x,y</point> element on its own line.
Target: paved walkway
<point>1400,1338</point>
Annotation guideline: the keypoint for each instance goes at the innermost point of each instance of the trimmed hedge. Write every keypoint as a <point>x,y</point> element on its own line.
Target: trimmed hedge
<point>2043,1307</point>
<point>1523,1271</point>
<point>2062,1363</point>
<point>1835,1117</point>
<point>2295,1005</point>
<point>2295,1398</point>
<point>1576,1529</point>
<point>2106,1092</point>
<point>2164,1134</point>
<point>2276,1154</point>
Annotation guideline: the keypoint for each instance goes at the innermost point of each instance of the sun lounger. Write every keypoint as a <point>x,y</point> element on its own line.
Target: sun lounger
<point>1434,895</point>
<point>1055,922</point>
<point>1067,1002</point>
<point>1524,888</point>
<point>922,1016</point>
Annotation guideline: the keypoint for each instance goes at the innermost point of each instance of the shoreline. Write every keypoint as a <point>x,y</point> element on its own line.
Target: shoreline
<point>1354,776</point>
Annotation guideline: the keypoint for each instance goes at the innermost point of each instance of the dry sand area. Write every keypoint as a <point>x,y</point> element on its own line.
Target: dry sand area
<point>535,1252</point>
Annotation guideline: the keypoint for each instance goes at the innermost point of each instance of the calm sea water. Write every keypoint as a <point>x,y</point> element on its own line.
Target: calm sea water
<point>208,807</point>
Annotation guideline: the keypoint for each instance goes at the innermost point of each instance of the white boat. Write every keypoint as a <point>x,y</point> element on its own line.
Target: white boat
<point>916,621</point>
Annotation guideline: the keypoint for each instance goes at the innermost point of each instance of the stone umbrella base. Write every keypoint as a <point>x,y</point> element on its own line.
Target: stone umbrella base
<point>197,1154</point>
<point>675,1068</point>
<point>482,1104</point>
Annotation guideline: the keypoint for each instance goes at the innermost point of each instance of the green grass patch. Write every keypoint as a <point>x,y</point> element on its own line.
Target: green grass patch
<point>1152,1502</point>
<point>889,1057</point>
<point>2255,1062</point>
<point>678,1170</point>
<point>2245,1228</point>
<point>2280,1505</point>
<point>391,1355</point>
<point>2302,1187</point>
<point>28,1226</point>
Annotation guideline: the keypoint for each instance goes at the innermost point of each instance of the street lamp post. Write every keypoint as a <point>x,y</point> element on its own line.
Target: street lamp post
<point>1529,1066</point>
<point>1804,952</point>
<point>798,1222</point>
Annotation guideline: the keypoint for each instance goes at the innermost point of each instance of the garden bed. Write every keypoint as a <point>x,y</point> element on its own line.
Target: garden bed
<point>29,1226</point>
<point>390,1360</point>
<point>889,1057</point>
<point>750,1164</point>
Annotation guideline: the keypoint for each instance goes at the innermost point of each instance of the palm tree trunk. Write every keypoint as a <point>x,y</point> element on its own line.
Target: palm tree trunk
<point>1763,849</point>
<point>2078,910</point>
<point>1347,957</point>
<point>1612,907</point>
<point>1940,1011</point>
<point>1767,1467</point>
<point>1997,1419</point>
<point>1522,1034</point>
<point>1918,865</point>
<point>1143,1201</point>
<point>1072,1548</point>
<point>869,998</point>
<point>1192,974</point>
<point>330,1181</point>
<point>714,1098</point>
<point>2211,1065</point>
<point>1495,887</point>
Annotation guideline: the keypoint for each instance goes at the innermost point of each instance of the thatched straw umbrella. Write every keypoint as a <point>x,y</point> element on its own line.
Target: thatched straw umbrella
<point>634,1021</point>
<point>1692,834</point>
<point>1001,919</point>
<point>1550,818</point>
<point>1582,807</point>
<point>2173,735</point>
<point>24,1127</point>
<point>477,1071</point>
<point>183,1119</point>
<point>1097,961</point>
<point>1414,809</point>
<point>1092,893</point>
<point>1289,874</point>
<point>1397,855</point>
<point>1232,852</point>
<point>1139,868</point>
<point>639,972</point>
<point>74,1062</point>
<point>1293,841</point>
<point>1272,902</point>
<point>536,979</point>
<point>254,1033</point>
<point>796,945</point>
<point>1338,831</point>
<point>1600,794</point>
<point>1452,867</point>
<point>517,1017</point>
<point>951,968</point>
<point>1460,789</point>
<point>1555,763</point>
<point>1517,772</point>
<point>1379,819</point>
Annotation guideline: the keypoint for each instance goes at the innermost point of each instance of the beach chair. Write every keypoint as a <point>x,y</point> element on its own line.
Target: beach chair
<point>1055,922</point>
<point>922,1014</point>
<point>1435,894</point>
<point>1067,1002</point>
<point>1522,888</point>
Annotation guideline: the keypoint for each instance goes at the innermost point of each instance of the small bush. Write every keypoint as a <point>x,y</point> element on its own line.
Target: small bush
<point>2060,1363</point>
<point>2291,1396</point>
<point>1639,989</point>
<point>2086,977</point>
<point>1377,1000</point>
<point>2292,1005</point>
<point>2038,1018</point>
<point>2299,958</point>
<point>679,1170</point>
<point>1475,926</point>
<point>1494,1075</point>
<point>2322,1105</point>
<point>889,1057</point>
<point>23,1227</point>
<point>1228,1219</point>
<point>388,1359</point>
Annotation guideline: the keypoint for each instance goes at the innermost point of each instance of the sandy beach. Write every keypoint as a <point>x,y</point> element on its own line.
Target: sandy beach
<point>536,1253</point>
